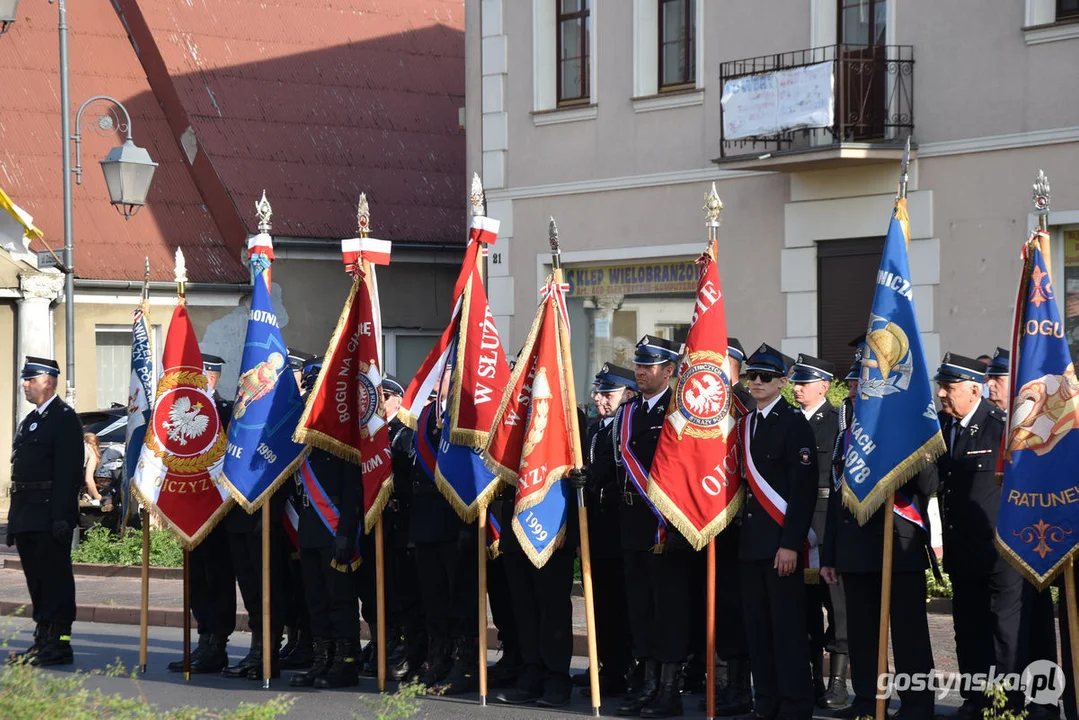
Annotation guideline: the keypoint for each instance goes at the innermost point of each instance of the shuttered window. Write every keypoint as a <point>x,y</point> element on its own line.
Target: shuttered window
<point>846,280</point>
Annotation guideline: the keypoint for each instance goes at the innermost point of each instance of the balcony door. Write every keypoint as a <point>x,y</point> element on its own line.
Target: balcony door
<point>863,38</point>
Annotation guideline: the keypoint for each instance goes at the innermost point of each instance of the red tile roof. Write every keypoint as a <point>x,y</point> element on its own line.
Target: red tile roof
<point>314,102</point>
<point>101,62</point>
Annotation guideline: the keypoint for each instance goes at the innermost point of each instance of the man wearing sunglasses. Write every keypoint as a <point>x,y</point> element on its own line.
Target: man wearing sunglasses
<point>780,464</point>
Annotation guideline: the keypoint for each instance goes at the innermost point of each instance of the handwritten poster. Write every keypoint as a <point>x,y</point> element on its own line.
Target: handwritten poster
<point>769,103</point>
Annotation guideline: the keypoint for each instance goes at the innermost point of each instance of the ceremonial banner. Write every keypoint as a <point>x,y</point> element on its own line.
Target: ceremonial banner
<point>140,391</point>
<point>261,453</point>
<point>530,443</point>
<point>344,414</point>
<point>1038,521</point>
<point>177,474</point>
<point>894,432</point>
<point>694,479</point>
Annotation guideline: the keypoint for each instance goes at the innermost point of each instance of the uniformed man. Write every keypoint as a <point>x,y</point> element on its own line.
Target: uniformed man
<point>213,582</point>
<point>852,557</point>
<point>46,474</point>
<point>298,652</point>
<point>330,487</point>
<point>612,386</point>
<point>986,590</point>
<point>447,569</point>
<point>734,696</point>
<point>998,380</point>
<point>658,560</point>
<point>780,464</point>
<point>812,378</point>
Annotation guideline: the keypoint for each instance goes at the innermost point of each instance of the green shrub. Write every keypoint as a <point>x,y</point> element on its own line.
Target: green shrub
<point>101,546</point>
<point>997,709</point>
<point>836,393</point>
<point>933,589</point>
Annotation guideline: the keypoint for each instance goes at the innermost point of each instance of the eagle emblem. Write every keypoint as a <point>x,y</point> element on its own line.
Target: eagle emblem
<point>186,421</point>
<point>702,398</point>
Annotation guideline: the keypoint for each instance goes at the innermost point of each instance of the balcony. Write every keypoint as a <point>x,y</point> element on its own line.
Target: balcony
<point>819,108</point>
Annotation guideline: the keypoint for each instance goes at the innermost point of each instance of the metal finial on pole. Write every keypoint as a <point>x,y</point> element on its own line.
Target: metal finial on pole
<point>1041,198</point>
<point>556,251</point>
<point>181,275</point>
<point>265,213</point>
<point>713,206</point>
<point>477,196</point>
<point>904,171</point>
<point>146,280</point>
<point>363,216</point>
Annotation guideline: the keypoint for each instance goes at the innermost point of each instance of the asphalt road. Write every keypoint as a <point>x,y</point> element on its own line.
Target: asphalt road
<point>97,645</point>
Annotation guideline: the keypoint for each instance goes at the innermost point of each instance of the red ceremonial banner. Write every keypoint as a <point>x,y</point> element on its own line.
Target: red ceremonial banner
<point>694,479</point>
<point>181,458</point>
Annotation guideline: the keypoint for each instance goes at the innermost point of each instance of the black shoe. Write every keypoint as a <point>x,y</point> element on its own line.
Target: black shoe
<point>57,649</point>
<point>737,696</point>
<point>608,685</point>
<point>518,696</point>
<point>668,701</point>
<point>817,663</point>
<point>397,657</point>
<point>41,636</point>
<point>255,673</point>
<point>464,675</point>
<point>344,672</point>
<point>648,692</point>
<point>323,651</point>
<point>836,697</point>
<point>438,663</point>
<point>634,679</point>
<point>969,710</point>
<point>214,659</point>
<point>298,653</point>
<point>200,649</point>
<point>555,697</point>
<point>253,659</point>
<point>503,674</point>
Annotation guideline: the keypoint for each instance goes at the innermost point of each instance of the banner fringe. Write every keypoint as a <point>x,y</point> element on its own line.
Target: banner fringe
<point>252,506</point>
<point>895,479</point>
<point>697,538</point>
<point>322,441</point>
<point>1040,582</point>
<point>372,516</point>
<point>187,542</point>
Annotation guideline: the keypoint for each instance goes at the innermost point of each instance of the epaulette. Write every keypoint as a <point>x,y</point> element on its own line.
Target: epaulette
<point>998,414</point>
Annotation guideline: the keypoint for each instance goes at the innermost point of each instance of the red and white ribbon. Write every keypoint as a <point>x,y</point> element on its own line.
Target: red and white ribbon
<point>559,298</point>
<point>261,244</point>
<point>484,230</point>
<point>355,250</point>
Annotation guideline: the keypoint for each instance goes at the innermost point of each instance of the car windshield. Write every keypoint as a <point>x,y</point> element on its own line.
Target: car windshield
<point>109,427</point>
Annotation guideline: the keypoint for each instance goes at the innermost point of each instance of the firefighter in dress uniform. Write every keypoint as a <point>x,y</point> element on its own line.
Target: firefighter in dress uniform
<point>46,474</point>
<point>987,590</point>
<point>612,386</point>
<point>812,378</point>
<point>213,581</point>
<point>330,487</point>
<point>852,557</point>
<point>658,560</point>
<point>780,464</point>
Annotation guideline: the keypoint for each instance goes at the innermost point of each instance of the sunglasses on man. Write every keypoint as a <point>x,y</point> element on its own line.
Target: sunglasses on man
<point>764,377</point>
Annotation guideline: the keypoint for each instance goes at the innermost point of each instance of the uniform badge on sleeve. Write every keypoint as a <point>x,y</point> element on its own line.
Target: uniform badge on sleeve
<point>805,456</point>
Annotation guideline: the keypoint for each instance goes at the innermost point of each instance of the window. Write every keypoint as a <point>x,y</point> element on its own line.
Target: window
<point>1071,290</point>
<point>573,30</point>
<point>404,351</point>
<point>846,281</point>
<point>114,362</point>
<point>1067,9</point>
<point>677,44</point>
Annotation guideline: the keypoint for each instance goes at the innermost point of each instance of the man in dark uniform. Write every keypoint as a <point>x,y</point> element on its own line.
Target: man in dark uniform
<point>986,590</point>
<point>812,378</point>
<point>734,695</point>
<point>998,380</point>
<point>447,569</point>
<point>658,560</point>
<point>330,487</point>
<point>612,386</point>
<point>780,464</point>
<point>46,474</point>
<point>213,582</point>
<point>852,554</point>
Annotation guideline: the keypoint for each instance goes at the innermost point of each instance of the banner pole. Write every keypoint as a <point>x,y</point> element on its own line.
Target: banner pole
<point>478,201</point>
<point>144,604</point>
<point>582,510</point>
<point>885,602</point>
<point>1073,618</point>
<point>267,650</point>
<point>380,603</point>
<point>710,633</point>
<point>187,615</point>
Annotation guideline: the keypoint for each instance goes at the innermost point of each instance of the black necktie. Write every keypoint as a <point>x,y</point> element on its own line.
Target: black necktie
<point>756,422</point>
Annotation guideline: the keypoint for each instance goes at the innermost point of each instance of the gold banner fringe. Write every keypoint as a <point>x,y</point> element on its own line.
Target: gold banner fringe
<point>539,559</point>
<point>1041,582</point>
<point>896,478</point>
<point>371,517</point>
<point>493,551</point>
<point>467,513</point>
<point>698,538</point>
<point>187,542</point>
<point>253,506</point>
<point>322,441</point>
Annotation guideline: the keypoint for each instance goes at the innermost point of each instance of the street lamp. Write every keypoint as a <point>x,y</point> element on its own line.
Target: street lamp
<point>7,14</point>
<point>128,168</point>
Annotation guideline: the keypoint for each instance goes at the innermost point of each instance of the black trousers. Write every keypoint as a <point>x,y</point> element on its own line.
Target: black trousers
<point>1070,710</point>
<point>911,646</point>
<point>501,601</point>
<point>659,604</point>
<point>448,579</point>
<point>246,551</point>
<point>46,563</point>
<point>826,600</point>
<point>365,581</point>
<point>213,584</point>
<point>612,621</point>
<point>544,615</point>
<point>778,641</point>
<point>296,617</point>
<point>986,614</point>
<point>730,626</point>
<point>331,596</point>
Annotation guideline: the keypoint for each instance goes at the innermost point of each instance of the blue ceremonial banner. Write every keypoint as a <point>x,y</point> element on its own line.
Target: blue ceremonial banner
<point>1038,521</point>
<point>894,432</point>
<point>139,398</point>
<point>261,454</point>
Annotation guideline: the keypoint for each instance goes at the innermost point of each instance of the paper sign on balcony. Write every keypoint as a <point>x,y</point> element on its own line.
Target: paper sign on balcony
<point>770,103</point>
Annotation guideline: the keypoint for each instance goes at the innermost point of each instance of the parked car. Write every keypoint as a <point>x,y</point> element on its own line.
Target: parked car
<point>110,426</point>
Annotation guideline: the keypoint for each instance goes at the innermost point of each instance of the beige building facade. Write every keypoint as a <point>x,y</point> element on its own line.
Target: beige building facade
<point>609,115</point>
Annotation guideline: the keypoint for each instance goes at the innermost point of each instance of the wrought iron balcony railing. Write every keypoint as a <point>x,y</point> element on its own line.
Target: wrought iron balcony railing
<point>818,97</point>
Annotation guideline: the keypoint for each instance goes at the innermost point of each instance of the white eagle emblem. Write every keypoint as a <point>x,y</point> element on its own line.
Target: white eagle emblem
<point>185,421</point>
<point>707,397</point>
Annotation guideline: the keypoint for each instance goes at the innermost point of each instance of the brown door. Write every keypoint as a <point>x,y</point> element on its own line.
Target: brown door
<point>862,54</point>
<point>846,281</point>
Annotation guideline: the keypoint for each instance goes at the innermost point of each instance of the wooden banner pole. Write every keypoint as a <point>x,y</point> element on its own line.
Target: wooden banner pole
<point>885,603</point>
<point>144,604</point>
<point>380,603</point>
<point>267,640</point>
